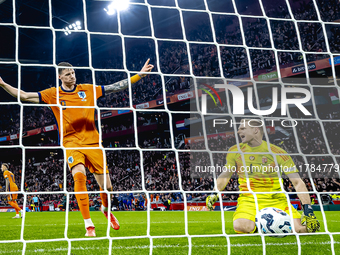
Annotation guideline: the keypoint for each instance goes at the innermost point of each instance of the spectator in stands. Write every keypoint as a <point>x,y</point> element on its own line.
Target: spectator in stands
<point>162,174</point>
<point>167,203</point>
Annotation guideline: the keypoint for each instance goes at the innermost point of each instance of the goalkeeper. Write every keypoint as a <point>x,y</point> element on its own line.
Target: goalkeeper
<point>261,180</point>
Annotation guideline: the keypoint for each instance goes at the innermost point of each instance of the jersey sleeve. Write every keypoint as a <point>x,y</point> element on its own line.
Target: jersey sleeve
<point>6,175</point>
<point>100,92</point>
<point>231,157</point>
<point>287,164</point>
<point>47,96</point>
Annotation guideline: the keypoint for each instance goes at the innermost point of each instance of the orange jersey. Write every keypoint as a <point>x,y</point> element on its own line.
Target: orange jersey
<point>79,129</point>
<point>10,176</point>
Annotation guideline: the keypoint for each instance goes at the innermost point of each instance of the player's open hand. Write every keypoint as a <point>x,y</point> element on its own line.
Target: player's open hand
<point>146,68</point>
<point>309,219</point>
<point>210,201</point>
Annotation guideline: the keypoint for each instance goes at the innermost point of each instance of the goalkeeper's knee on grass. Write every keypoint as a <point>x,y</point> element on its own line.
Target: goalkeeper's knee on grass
<point>245,232</point>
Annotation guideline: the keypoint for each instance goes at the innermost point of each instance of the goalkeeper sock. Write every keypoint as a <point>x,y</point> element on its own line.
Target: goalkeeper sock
<point>82,199</point>
<point>105,202</point>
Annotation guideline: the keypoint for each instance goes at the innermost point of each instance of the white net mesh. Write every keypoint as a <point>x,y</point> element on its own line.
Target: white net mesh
<point>191,43</point>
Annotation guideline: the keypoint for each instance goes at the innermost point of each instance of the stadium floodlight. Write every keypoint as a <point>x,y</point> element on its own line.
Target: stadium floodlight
<point>67,31</point>
<point>110,10</point>
<point>76,26</point>
<point>119,5</point>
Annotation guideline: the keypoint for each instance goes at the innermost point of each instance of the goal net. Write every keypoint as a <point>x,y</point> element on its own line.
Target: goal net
<point>166,137</point>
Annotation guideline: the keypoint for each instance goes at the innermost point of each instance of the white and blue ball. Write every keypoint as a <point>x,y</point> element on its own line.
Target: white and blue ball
<point>271,220</point>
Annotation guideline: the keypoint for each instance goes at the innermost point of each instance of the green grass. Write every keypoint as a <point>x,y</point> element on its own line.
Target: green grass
<point>41,227</point>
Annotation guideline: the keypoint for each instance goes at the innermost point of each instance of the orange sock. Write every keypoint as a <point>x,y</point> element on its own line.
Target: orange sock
<point>82,199</point>
<point>15,205</point>
<point>103,196</point>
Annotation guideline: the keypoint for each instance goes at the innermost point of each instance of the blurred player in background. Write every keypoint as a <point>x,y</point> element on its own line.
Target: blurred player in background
<point>251,134</point>
<point>10,187</point>
<point>79,130</point>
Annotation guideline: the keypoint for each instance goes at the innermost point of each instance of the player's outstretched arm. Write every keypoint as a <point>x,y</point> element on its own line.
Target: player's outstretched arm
<point>24,96</point>
<point>121,85</point>
<point>308,218</point>
<point>223,180</point>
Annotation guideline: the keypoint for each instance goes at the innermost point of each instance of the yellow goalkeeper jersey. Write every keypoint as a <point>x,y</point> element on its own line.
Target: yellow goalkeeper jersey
<point>260,168</point>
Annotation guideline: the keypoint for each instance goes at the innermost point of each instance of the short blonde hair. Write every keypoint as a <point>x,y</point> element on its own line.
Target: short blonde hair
<point>255,123</point>
<point>63,66</point>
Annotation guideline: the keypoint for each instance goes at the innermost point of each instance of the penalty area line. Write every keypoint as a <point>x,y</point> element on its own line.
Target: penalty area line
<point>167,246</point>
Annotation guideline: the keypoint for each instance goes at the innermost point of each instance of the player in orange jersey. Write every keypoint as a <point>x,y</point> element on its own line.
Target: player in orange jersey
<point>79,130</point>
<point>11,187</point>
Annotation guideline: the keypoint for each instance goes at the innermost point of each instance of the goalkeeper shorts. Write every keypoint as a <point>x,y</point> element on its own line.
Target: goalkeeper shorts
<point>246,208</point>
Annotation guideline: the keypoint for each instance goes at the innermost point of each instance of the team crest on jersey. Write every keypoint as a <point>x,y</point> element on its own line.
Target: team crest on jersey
<point>70,159</point>
<point>82,95</point>
<point>264,160</point>
<point>252,158</point>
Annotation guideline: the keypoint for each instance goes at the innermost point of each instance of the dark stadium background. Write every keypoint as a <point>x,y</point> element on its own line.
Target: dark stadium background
<point>44,167</point>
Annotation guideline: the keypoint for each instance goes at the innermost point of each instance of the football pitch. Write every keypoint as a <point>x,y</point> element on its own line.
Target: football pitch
<point>44,226</point>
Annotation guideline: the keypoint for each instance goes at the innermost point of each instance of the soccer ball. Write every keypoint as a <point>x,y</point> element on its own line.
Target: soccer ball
<point>271,220</point>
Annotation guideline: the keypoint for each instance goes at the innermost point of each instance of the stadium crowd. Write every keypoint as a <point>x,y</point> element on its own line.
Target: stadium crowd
<point>174,57</point>
<point>329,10</point>
<point>9,123</point>
<point>160,174</point>
<point>160,168</point>
<point>36,117</point>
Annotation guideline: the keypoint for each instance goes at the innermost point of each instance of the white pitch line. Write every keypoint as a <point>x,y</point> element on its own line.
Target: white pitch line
<point>135,223</point>
<point>124,223</point>
<point>170,246</point>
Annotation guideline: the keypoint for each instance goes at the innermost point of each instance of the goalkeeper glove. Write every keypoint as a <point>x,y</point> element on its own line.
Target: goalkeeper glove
<point>210,201</point>
<point>309,219</point>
